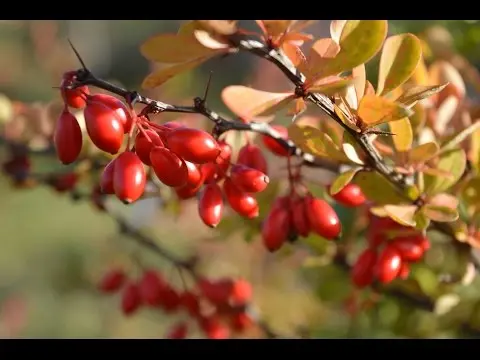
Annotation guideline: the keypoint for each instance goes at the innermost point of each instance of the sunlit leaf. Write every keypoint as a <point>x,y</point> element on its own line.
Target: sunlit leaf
<point>360,80</point>
<point>351,149</point>
<point>295,54</point>
<point>445,303</point>
<point>161,76</point>
<point>443,72</point>
<point>426,279</point>
<point>440,213</point>
<point>342,180</point>
<point>420,75</point>
<point>403,137</point>
<point>376,188</point>
<point>418,118</point>
<point>298,107</point>
<point>444,199</point>
<point>453,162</point>
<point>461,136</point>
<point>343,118</point>
<point>375,110</point>
<point>336,27</point>
<point>445,113</point>
<point>359,41</point>
<point>171,48</point>
<point>207,40</point>
<point>412,192</point>
<point>322,145</point>
<point>400,57</point>
<point>474,153</point>
<point>321,52</point>
<point>402,214</point>
<point>416,93</point>
<point>471,192</point>
<point>299,134</point>
<point>247,103</point>
<point>422,222</point>
<point>330,85</point>
<point>276,27</point>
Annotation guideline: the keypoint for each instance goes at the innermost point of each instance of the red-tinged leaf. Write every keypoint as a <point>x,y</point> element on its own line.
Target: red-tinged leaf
<point>445,114</point>
<point>343,180</point>
<point>440,213</point>
<point>322,51</point>
<point>247,103</point>
<point>220,27</point>
<point>445,200</point>
<point>360,81</point>
<point>296,38</point>
<point>436,172</point>
<point>207,40</point>
<point>330,85</point>
<point>400,57</point>
<point>413,94</point>
<point>299,25</point>
<point>351,148</point>
<point>422,153</point>
<point>298,107</point>
<point>442,72</point>
<point>403,137</point>
<point>171,48</point>
<point>295,54</point>
<point>276,27</point>
<point>344,118</point>
<point>369,89</point>
<point>375,110</point>
<point>452,162</point>
<point>161,76</point>
<point>262,27</point>
<point>402,214</point>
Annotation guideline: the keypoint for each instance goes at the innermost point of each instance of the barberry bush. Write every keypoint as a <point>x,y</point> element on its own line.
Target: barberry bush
<point>371,180</point>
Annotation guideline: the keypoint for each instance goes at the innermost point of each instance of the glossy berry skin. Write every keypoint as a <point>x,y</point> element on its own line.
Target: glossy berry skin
<point>273,145</point>
<point>350,196</point>
<point>214,329</point>
<point>131,299</point>
<point>409,248</point>
<point>241,292</point>
<point>388,264</point>
<point>248,179</point>
<point>106,180</point>
<point>118,107</point>
<point>193,145</point>
<point>74,98</point>
<point>129,177</point>
<point>300,218</point>
<point>225,156</point>
<point>362,273</point>
<point>275,228</point>
<point>241,321</point>
<point>322,218</point>
<point>194,176</point>
<point>187,192</point>
<point>179,331</point>
<point>252,156</point>
<point>67,138</point>
<point>210,205</point>
<point>241,202</point>
<point>150,287</point>
<point>404,271</point>
<point>112,281</point>
<point>169,168</point>
<point>104,127</point>
<point>143,146</point>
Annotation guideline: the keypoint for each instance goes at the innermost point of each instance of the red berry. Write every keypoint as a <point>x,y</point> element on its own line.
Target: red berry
<point>179,331</point>
<point>143,146</point>
<point>113,280</point>
<point>300,218</point>
<point>272,145</point>
<point>65,182</point>
<point>251,155</point>
<point>106,180</point>
<point>248,179</point>
<point>194,176</point>
<point>211,172</point>
<point>150,287</point>
<point>129,177</point>
<point>169,168</point>
<point>322,218</point>
<point>404,271</point>
<point>214,329</point>
<point>75,98</point>
<point>388,264</point>
<point>210,205</point>
<point>131,299</point>
<point>188,191</point>
<point>190,302</point>
<point>123,113</point>
<point>170,300</point>
<point>350,196</point>
<point>409,248</point>
<point>241,202</point>
<point>217,292</point>
<point>67,138</point>
<point>225,156</point>
<point>241,292</point>
<point>241,321</point>
<point>363,270</point>
<point>275,228</point>
<point>104,127</point>
<point>193,145</point>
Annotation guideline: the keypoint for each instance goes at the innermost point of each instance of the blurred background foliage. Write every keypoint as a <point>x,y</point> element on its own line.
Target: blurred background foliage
<point>54,251</point>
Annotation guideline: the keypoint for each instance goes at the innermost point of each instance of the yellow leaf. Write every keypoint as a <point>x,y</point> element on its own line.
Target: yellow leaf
<point>172,48</point>
<point>276,27</point>
<point>440,213</point>
<point>453,162</point>
<point>445,200</point>
<point>342,180</point>
<point>400,57</point>
<point>299,134</point>
<point>161,76</point>
<point>375,110</point>
<point>402,214</point>
<point>420,75</point>
<point>344,118</point>
<point>403,134</point>
<point>330,85</point>
<point>351,149</point>
<point>471,192</point>
<point>360,81</point>
<point>423,153</point>
<point>416,93</point>
<point>461,136</point>
<point>418,118</point>
<point>359,41</point>
<point>376,188</point>
<point>475,150</point>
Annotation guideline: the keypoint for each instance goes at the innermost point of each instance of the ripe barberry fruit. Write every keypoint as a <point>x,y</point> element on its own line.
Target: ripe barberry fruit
<point>252,156</point>
<point>129,177</point>
<point>193,145</point>
<point>241,202</point>
<point>150,287</point>
<point>123,113</point>
<point>248,179</point>
<point>275,228</point>
<point>350,196</point>
<point>388,264</point>
<point>169,168</point>
<point>143,146</point>
<point>362,273</point>
<point>210,205</point>
<point>75,98</point>
<point>322,218</point>
<point>113,280</point>
<point>131,299</point>
<point>67,138</point>
<point>178,331</point>
<point>273,145</point>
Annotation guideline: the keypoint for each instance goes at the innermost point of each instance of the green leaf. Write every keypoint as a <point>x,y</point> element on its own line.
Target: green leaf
<point>400,57</point>
<point>402,214</point>
<point>471,192</point>
<point>374,110</point>
<point>453,162</point>
<point>410,97</point>
<point>403,137</point>
<point>331,87</point>
<point>440,213</point>
<point>422,222</point>
<point>359,41</point>
<point>342,180</point>
<point>423,153</point>
<point>461,136</point>
<point>426,279</point>
<point>376,188</point>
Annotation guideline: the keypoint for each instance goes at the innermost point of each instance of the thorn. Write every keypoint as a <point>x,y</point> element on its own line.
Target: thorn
<point>208,87</point>
<point>77,55</point>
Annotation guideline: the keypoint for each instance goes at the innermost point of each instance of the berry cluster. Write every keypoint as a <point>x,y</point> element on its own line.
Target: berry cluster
<point>392,247</point>
<point>218,308</point>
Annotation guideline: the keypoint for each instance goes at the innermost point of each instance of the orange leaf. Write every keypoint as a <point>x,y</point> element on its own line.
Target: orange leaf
<point>299,25</point>
<point>322,51</point>
<point>296,38</point>
<point>295,54</point>
<point>375,110</point>
<point>299,106</point>
<point>360,81</point>
<point>369,89</point>
<point>276,27</point>
<point>330,85</point>
<point>207,40</point>
<point>247,103</point>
